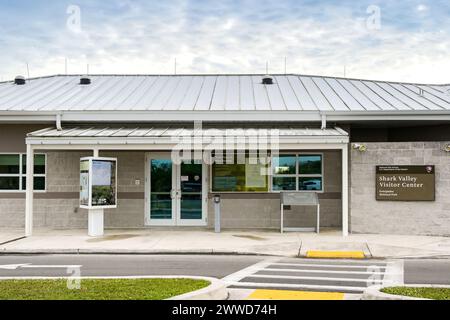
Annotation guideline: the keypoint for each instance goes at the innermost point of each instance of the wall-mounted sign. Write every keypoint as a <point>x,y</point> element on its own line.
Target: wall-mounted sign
<point>98,183</point>
<point>405,183</point>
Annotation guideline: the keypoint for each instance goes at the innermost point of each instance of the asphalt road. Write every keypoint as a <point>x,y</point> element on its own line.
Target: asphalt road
<point>128,265</point>
<point>431,271</point>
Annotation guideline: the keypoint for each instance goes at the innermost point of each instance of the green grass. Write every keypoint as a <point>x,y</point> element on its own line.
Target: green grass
<point>427,293</point>
<point>102,289</point>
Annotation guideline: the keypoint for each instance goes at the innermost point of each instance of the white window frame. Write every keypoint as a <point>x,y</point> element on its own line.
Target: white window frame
<point>22,175</point>
<point>297,174</point>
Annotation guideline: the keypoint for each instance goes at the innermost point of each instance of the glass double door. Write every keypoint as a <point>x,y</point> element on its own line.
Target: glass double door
<point>176,192</point>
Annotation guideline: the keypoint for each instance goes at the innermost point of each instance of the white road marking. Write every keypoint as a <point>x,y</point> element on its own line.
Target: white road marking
<point>394,273</point>
<point>297,286</point>
<point>313,278</point>
<point>377,273</point>
<point>329,265</point>
<point>323,271</point>
<point>241,274</point>
<point>12,266</point>
<point>30,266</point>
<point>51,266</point>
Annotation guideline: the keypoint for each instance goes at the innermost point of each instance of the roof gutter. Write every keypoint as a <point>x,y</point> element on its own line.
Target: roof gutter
<point>221,116</point>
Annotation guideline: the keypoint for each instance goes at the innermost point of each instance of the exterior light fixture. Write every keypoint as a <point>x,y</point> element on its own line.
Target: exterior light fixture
<point>359,147</point>
<point>447,148</point>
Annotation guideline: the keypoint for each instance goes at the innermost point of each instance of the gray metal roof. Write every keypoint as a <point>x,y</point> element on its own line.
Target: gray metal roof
<point>169,132</point>
<point>219,93</point>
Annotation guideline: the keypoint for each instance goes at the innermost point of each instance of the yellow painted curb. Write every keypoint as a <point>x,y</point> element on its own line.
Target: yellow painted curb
<point>294,295</point>
<point>336,254</point>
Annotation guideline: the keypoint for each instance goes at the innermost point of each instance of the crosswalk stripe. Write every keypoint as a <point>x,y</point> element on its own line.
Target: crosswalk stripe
<point>350,266</point>
<point>320,275</point>
<point>323,271</point>
<point>241,274</point>
<point>297,286</point>
<point>265,276</point>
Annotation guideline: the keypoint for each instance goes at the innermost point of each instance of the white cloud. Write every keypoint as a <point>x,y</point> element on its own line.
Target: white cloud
<point>422,8</point>
<point>220,39</point>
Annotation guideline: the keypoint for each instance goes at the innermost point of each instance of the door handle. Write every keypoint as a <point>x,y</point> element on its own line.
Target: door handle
<point>173,194</point>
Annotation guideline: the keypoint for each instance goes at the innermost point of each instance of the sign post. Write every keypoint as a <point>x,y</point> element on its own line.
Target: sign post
<point>98,190</point>
<point>405,183</point>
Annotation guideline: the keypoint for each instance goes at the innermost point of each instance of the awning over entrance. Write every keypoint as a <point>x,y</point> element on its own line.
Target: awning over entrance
<point>168,136</point>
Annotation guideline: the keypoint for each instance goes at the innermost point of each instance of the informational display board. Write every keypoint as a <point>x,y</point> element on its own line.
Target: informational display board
<point>299,198</point>
<point>84,183</point>
<point>98,183</point>
<point>254,176</point>
<point>405,183</point>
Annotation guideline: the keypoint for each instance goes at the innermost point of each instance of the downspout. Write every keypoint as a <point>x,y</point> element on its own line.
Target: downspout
<point>58,122</point>
<point>323,116</point>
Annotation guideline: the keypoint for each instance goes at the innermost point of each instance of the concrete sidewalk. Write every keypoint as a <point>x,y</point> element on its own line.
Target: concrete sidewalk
<point>152,241</point>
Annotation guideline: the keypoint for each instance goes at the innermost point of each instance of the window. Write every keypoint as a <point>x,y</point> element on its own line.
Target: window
<point>240,177</point>
<point>13,172</point>
<point>297,172</point>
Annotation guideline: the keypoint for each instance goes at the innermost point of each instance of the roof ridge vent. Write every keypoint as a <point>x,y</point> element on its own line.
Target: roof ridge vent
<point>85,81</point>
<point>19,80</point>
<point>267,79</point>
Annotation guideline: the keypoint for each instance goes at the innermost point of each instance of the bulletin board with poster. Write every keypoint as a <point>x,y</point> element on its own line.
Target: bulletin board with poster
<point>98,183</point>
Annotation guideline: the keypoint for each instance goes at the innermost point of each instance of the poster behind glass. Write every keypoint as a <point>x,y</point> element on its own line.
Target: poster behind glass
<point>103,183</point>
<point>84,183</point>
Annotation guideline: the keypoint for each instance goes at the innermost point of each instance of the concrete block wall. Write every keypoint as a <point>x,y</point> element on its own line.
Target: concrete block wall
<point>58,208</point>
<point>131,204</point>
<point>411,218</point>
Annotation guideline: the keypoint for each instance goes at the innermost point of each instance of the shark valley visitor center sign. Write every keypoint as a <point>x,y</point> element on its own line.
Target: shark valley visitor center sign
<point>405,183</point>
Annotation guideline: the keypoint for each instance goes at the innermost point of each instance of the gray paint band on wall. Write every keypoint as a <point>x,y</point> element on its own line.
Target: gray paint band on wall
<point>68,195</point>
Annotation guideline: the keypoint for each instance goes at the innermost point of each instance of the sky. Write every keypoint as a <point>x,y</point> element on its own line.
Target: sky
<point>380,40</point>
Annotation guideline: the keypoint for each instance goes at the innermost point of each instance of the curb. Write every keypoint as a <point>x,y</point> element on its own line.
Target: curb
<point>217,290</point>
<point>374,292</point>
<point>320,254</point>
<point>137,252</point>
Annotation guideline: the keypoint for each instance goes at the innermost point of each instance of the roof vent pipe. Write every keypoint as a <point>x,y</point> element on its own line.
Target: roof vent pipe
<point>85,81</point>
<point>19,80</point>
<point>267,80</point>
